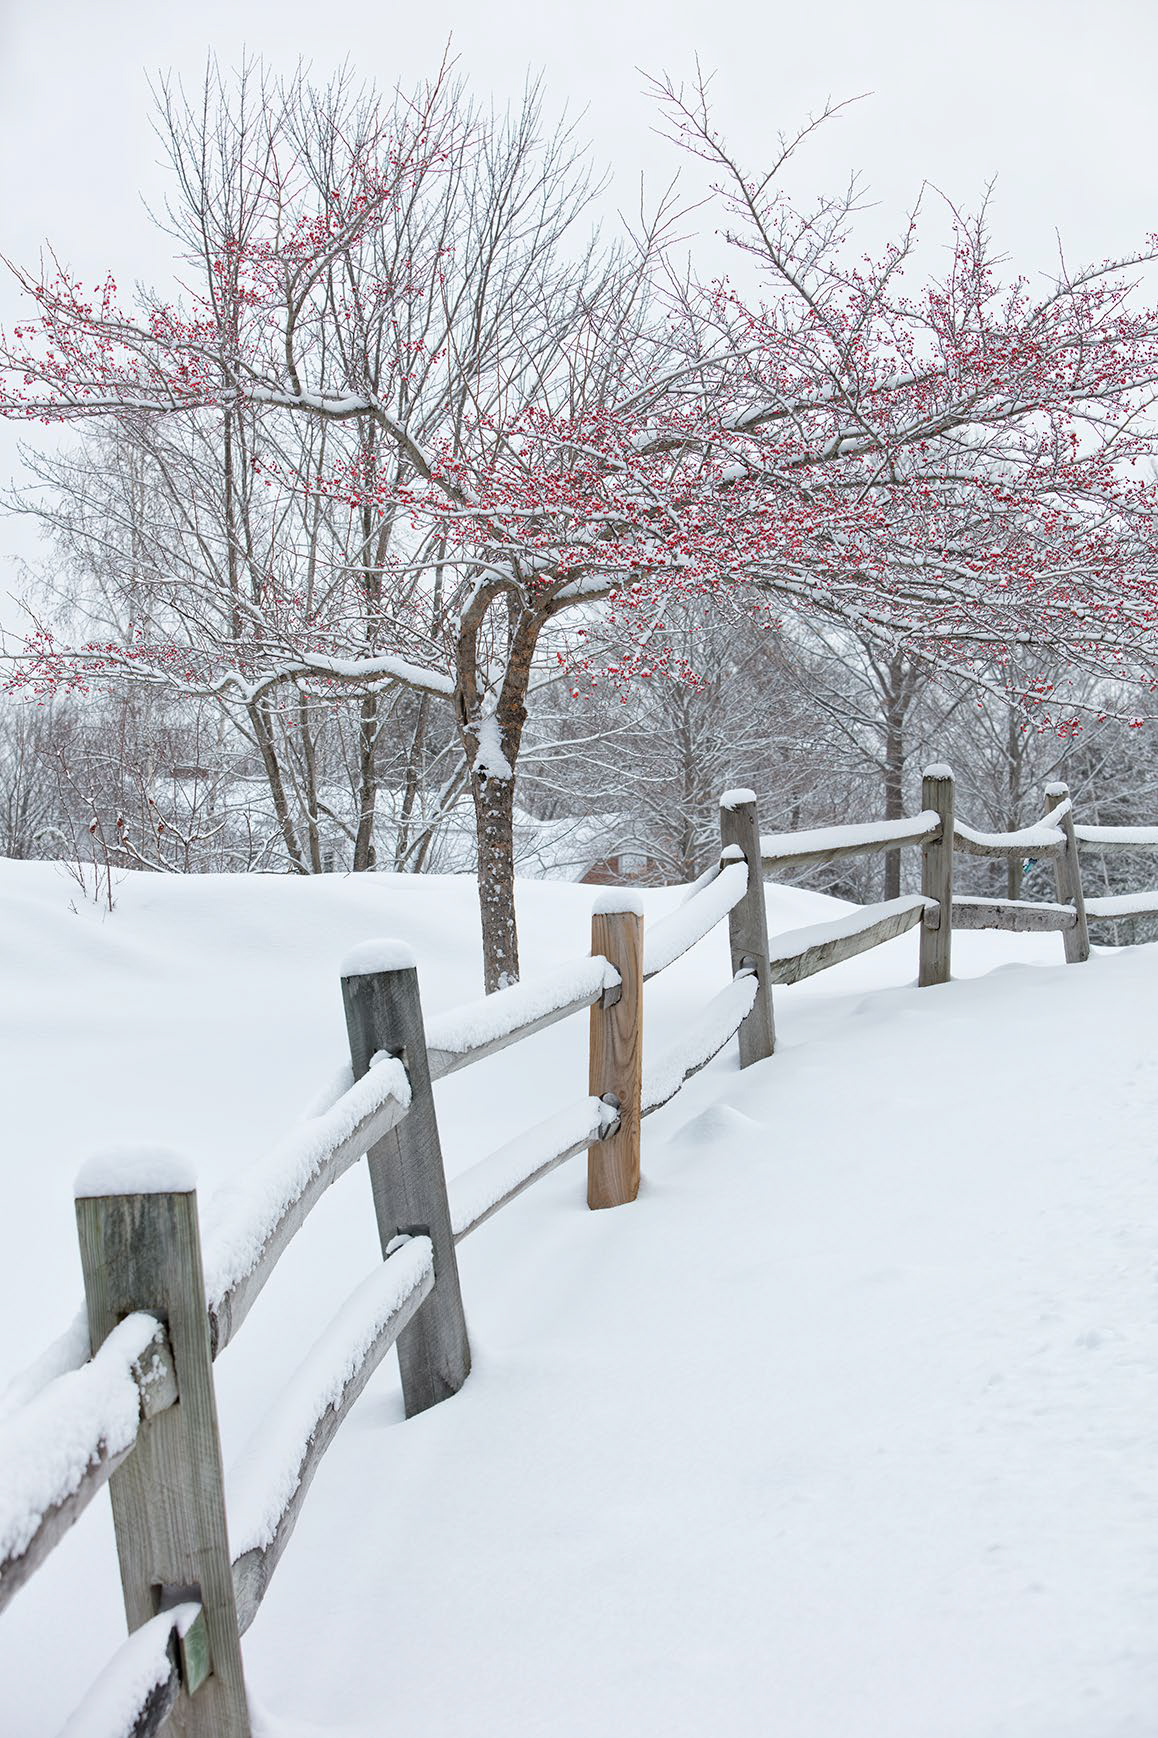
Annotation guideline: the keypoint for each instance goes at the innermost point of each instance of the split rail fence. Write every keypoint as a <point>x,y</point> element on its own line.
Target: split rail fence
<point>139,1413</point>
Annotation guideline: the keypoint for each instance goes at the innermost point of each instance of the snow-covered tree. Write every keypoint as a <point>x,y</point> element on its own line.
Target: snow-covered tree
<point>446,423</point>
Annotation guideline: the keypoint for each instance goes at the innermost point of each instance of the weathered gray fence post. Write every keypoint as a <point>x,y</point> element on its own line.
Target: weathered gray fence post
<point>140,1249</point>
<point>748,922</point>
<point>937,879</point>
<point>616,1067</point>
<point>384,1013</point>
<point>1068,876</point>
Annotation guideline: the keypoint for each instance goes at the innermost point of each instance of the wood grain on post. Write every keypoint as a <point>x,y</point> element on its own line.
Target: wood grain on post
<point>384,1013</point>
<point>616,1071</point>
<point>142,1251</point>
<point>748,923</point>
<point>937,879</point>
<point>1068,877</point>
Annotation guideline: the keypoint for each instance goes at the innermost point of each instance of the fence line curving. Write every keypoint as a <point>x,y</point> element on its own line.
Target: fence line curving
<point>139,1415</point>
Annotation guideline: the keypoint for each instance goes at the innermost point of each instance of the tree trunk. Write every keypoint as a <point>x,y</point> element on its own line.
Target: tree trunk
<point>310,785</point>
<point>491,736</point>
<point>364,853</point>
<point>410,788</point>
<point>262,728</point>
<point>494,807</point>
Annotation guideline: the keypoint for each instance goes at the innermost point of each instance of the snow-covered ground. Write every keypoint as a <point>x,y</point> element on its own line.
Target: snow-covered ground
<point>845,1428</point>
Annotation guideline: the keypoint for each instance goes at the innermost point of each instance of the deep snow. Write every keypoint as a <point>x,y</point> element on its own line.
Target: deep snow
<point>844,1428</point>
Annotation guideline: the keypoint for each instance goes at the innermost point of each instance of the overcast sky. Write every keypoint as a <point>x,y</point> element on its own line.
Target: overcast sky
<point>1054,98</point>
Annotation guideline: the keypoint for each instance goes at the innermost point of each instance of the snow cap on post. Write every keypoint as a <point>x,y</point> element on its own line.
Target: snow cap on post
<point>380,955</point>
<point>737,798</point>
<point>614,900</point>
<point>937,770</point>
<point>134,1171</point>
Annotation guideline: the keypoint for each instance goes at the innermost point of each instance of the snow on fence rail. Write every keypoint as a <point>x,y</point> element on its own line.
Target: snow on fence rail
<point>268,1489</point>
<point>276,1197</point>
<point>1118,838</point>
<point>1114,905</point>
<point>59,1451</point>
<point>798,953</point>
<point>1037,841</point>
<point>705,1038</point>
<point>144,1680</point>
<point>505,1173</point>
<point>826,844</point>
<point>673,935</point>
<point>477,1029</point>
<point>158,1311</point>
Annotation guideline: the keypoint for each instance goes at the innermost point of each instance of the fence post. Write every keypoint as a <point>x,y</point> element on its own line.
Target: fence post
<point>937,879</point>
<point>616,1069</point>
<point>384,1012</point>
<point>1068,876</point>
<point>140,1249</point>
<point>748,923</point>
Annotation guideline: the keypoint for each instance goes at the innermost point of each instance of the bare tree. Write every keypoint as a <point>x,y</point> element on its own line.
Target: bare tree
<point>28,812</point>
<point>432,271</point>
<point>443,422</point>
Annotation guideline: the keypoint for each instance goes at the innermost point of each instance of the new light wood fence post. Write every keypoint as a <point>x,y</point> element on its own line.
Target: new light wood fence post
<point>1068,876</point>
<point>384,1013</point>
<point>142,1251</point>
<point>748,923</point>
<point>937,879</point>
<point>616,1071</point>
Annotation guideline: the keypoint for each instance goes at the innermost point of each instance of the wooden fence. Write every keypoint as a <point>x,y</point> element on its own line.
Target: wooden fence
<point>160,1309</point>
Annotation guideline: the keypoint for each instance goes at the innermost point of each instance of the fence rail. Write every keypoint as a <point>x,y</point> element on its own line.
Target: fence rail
<point>1039,841</point>
<point>160,1310</point>
<point>828,844</point>
<point>1116,905</point>
<point>264,1503</point>
<point>1016,915</point>
<point>1118,838</point>
<point>800,952</point>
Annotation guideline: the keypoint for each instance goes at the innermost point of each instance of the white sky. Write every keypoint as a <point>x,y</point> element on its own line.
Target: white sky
<point>1054,97</point>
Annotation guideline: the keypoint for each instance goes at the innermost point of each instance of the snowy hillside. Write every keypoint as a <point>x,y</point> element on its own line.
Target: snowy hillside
<point>844,1428</point>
